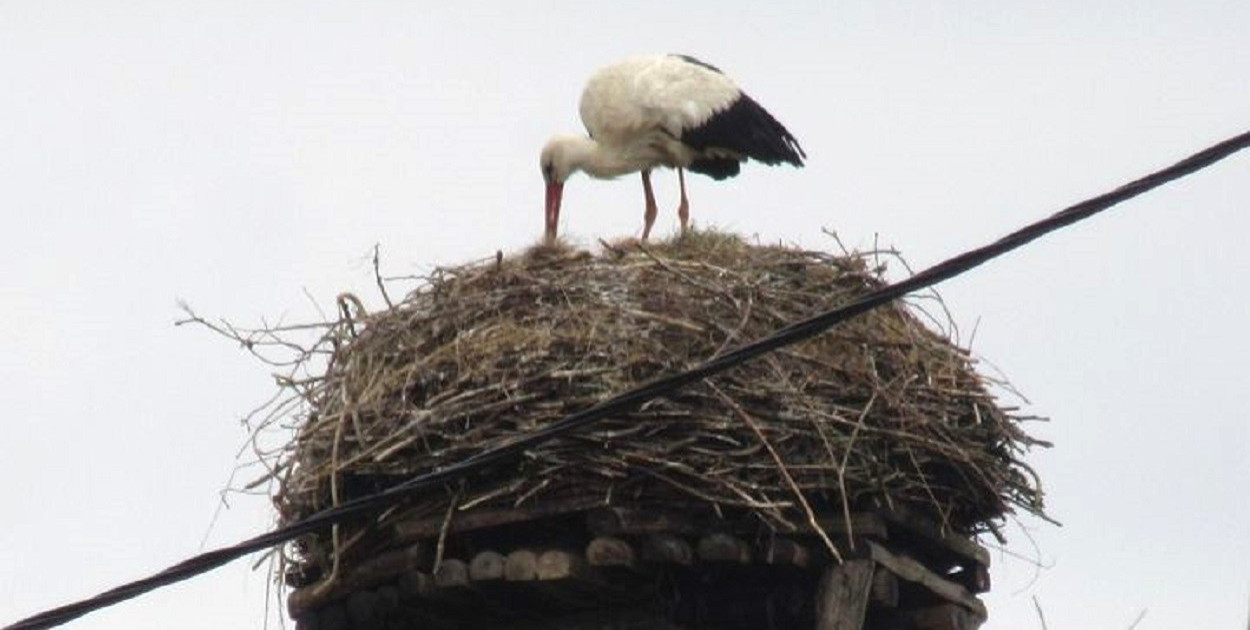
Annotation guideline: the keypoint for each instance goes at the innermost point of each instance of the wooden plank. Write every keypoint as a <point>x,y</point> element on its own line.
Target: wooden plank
<point>607,551</point>
<point>617,521</point>
<point>481,518</point>
<point>913,571</point>
<point>842,595</point>
<point>884,588</point>
<point>487,566</point>
<point>667,549</point>
<point>786,552</point>
<point>861,524</point>
<point>927,528</point>
<point>724,548</point>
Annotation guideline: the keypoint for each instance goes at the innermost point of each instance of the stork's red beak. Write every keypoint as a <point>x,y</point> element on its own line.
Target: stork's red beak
<point>555,191</point>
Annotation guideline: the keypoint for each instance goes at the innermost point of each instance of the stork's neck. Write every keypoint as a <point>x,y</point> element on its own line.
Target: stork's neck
<point>600,160</point>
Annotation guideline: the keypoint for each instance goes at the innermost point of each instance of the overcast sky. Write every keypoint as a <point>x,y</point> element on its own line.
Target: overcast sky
<point>246,156</point>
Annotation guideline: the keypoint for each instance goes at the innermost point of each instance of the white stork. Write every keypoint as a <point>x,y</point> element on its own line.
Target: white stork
<point>663,110</point>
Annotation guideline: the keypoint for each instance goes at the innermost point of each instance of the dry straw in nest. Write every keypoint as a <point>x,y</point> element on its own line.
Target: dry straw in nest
<point>881,410</point>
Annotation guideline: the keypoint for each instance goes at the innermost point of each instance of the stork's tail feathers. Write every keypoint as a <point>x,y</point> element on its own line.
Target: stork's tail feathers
<point>716,168</point>
<point>745,127</point>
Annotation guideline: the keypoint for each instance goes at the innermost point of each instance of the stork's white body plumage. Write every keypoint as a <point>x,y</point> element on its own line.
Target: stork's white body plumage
<point>643,105</point>
<point>663,110</point>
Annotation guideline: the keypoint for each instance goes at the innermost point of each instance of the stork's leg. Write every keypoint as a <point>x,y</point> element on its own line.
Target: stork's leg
<point>683,208</point>
<point>648,216</point>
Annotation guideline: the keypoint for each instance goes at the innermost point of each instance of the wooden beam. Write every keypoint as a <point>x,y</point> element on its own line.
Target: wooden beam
<point>913,571</point>
<point>860,524</point>
<point>489,582</point>
<point>558,564</point>
<point>667,549</point>
<point>481,518</point>
<point>842,595</point>
<point>925,527</point>
<point>724,548</point>
<point>521,566</point>
<point>617,521</point>
<point>556,578</point>
<point>786,552</point>
<point>451,573</point>
<point>384,567</point>
<point>607,551</point>
<point>884,588</point>
<point>487,566</point>
<point>415,585</point>
<point>313,597</point>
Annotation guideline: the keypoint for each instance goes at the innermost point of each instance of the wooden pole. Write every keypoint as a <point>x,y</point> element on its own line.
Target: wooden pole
<point>842,596</point>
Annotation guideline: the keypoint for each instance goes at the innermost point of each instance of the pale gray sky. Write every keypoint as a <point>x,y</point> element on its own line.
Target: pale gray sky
<point>237,154</point>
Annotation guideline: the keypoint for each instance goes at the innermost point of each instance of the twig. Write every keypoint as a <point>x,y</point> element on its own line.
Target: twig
<point>377,275</point>
<point>1040,615</point>
<point>446,527</point>
<point>781,467</point>
<point>336,547</point>
<point>846,457</point>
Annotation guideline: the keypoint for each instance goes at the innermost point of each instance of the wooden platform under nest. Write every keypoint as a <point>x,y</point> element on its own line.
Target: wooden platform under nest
<point>628,568</point>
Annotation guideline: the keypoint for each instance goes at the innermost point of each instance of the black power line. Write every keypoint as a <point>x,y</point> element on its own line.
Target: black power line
<point>632,399</point>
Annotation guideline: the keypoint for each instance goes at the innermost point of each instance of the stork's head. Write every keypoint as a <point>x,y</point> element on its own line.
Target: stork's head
<point>561,157</point>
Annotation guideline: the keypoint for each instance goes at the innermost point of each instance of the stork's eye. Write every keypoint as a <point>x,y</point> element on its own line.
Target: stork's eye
<point>549,171</point>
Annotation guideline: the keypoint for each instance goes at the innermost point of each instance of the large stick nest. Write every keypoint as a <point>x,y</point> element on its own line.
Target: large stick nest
<point>882,410</point>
